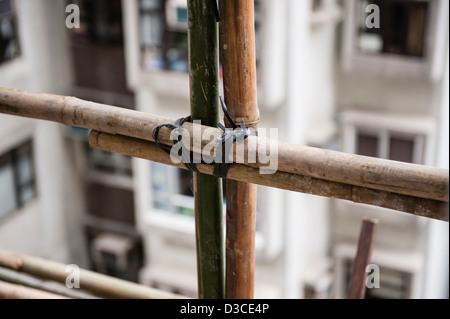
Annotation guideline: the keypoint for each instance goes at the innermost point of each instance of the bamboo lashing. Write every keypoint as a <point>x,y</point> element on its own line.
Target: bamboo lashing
<point>416,189</point>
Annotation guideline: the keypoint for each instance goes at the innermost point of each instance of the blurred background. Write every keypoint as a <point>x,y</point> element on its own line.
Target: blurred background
<point>325,79</point>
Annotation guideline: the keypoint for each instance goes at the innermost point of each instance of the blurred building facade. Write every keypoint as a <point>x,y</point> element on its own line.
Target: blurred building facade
<point>326,78</point>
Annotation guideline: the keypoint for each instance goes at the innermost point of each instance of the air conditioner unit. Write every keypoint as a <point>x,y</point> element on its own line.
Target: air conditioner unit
<point>111,254</point>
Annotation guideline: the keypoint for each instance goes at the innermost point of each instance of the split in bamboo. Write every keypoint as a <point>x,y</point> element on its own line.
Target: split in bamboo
<point>374,173</point>
<point>363,258</point>
<point>94,282</point>
<point>237,43</point>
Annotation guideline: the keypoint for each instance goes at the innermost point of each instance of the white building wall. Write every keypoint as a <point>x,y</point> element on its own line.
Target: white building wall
<point>386,88</point>
<point>50,226</point>
<point>437,246</point>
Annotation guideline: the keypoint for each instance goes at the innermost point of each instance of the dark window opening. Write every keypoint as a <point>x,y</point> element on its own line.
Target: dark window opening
<point>402,29</point>
<point>396,148</point>
<point>98,52</point>
<point>110,203</point>
<point>17,178</point>
<point>394,284</point>
<point>163,34</point>
<point>9,36</point>
<point>401,149</point>
<point>367,145</point>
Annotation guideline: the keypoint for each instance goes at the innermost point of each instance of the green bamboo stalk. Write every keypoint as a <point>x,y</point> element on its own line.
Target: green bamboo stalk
<point>204,88</point>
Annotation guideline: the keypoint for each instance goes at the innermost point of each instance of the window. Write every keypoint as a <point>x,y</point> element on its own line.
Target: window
<point>173,191</point>
<point>389,145</point>
<point>404,138</point>
<point>108,162</point>
<point>406,43</point>
<point>394,284</point>
<point>100,21</point>
<point>163,34</point>
<point>98,53</point>
<point>9,41</point>
<point>402,28</point>
<point>17,178</point>
<point>164,43</point>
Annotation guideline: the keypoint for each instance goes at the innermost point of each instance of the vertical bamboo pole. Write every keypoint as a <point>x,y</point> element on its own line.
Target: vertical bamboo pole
<point>363,258</point>
<point>237,43</point>
<point>204,88</point>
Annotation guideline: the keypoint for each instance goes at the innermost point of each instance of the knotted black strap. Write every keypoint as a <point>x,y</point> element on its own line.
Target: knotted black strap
<point>177,127</point>
<point>225,142</point>
<point>227,138</point>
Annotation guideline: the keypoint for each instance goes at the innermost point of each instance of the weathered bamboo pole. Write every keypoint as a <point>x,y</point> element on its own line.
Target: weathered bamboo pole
<point>287,181</point>
<point>97,283</point>
<point>375,173</point>
<point>14,277</point>
<point>363,258</point>
<point>13,291</point>
<point>237,43</point>
<point>204,86</point>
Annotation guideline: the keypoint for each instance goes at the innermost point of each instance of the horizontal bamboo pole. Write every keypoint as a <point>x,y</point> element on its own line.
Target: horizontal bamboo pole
<point>378,174</point>
<point>288,181</point>
<point>15,277</point>
<point>91,281</point>
<point>13,291</point>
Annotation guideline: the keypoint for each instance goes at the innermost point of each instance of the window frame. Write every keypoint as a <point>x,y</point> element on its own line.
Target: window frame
<point>384,137</point>
<point>12,157</point>
<point>14,16</point>
<point>271,67</point>
<point>419,128</point>
<point>108,163</point>
<point>405,262</point>
<point>393,65</point>
<point>169,221</point>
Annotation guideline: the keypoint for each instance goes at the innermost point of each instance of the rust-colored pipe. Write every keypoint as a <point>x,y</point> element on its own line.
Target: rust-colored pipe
<point>237,46</point>
<point>363,258</point>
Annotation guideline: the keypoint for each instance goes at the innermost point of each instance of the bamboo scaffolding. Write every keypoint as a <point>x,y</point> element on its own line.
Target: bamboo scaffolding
<point>204,88</point>
<point>14,277</point>
<point>237,43</point>
<point>287,181</point>
<point>363,258</point>
<point>374,173</point>
<point>13,291</point>
<point>94,282</point>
